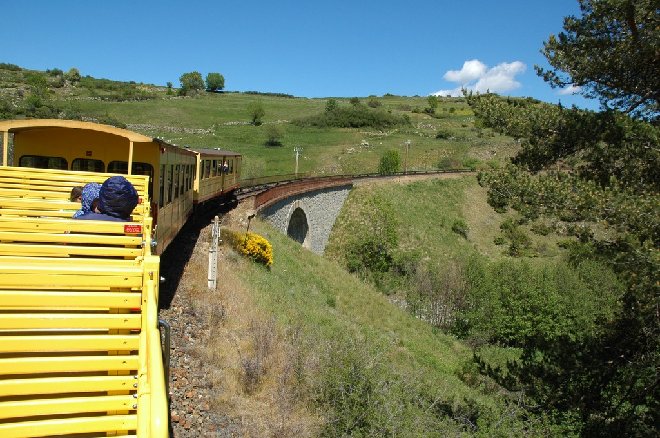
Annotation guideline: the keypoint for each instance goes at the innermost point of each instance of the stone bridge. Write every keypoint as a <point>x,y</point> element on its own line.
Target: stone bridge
<point>305,210</point>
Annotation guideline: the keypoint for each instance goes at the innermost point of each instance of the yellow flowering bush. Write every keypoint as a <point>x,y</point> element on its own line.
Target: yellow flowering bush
<point>251,245</point>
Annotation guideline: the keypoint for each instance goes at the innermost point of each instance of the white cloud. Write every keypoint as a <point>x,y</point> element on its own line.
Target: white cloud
<point>571,89</point>
<point>476,76</point>
<point>456,92</point>
<point>473,69</point>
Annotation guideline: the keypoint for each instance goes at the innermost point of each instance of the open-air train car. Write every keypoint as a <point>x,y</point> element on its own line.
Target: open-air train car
<point>179,178</point>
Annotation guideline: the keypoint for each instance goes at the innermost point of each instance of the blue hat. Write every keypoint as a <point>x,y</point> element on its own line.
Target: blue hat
<point>117,197</point>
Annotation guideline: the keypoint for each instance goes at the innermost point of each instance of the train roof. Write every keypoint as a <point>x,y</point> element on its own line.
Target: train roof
<point>28,124</point>
<point>216,152</point>
<point>21,125</point>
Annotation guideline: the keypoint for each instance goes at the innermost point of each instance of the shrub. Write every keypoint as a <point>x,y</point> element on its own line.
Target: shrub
<point>520,243</point>
<point>251,245</point>
<point>370,251</point>
<point>8,66</point>
<point>438,294</point>
<point>511,301</point>
<point>390,162</point>
<point>73,75</point>
<point>273,135</point>
<point>373,102</point>
<point>443,134</point>
<point>266,93</point>
<point>359,116</point>
<point>448,163</point>
<point>471,163</point>
<point>541,229</point>
<point>55,72</point>
<point>257,112</point>
<point>331,105</point>
<point>6,109</point>
<point>460,227</point>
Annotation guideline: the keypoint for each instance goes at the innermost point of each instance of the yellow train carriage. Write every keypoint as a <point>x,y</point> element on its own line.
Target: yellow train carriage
<point>86,146</point>
<point>218,173</point>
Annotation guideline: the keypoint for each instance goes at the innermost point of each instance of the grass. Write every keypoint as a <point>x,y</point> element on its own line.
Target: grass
<point>321,302</point>
<point>423,227</point>
<point>329,322</point>
<point>221,120</point>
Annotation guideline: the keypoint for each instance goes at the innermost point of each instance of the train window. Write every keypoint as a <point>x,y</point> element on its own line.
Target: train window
<point>207,168</point>
<point>88,165</point>
<point>170,183</point>
<point>215,167</point>
<point>191,172</point>
<point>41,162</point>
<point>182,180</point>
<point>176,180</point>
<point>138,168</point>
<point>161,201</point>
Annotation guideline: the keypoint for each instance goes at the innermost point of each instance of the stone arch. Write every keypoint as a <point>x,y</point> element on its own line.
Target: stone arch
<point>298,228</point>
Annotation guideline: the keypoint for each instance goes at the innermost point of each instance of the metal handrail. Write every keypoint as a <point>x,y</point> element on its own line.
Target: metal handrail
<point>165,346</point>
<point>288,178</point>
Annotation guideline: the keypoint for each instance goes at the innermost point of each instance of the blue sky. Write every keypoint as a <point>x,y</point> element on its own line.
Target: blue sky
<point>335,48</point>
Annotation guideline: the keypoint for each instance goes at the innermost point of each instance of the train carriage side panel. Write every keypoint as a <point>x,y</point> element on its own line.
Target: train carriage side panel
<point>218,174</point>
<point>175,190</point>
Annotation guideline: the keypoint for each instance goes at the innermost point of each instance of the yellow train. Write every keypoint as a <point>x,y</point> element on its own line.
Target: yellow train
<point>180,179</point>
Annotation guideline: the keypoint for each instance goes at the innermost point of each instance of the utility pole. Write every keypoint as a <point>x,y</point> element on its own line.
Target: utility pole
<point>298,150</point>
<point>405,165</point>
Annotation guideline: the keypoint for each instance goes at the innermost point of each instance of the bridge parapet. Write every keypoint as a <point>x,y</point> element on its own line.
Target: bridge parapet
<point>274,194</point>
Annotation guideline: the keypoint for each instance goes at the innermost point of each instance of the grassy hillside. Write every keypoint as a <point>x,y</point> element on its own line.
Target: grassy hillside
<point>447,139</point>
<point>358,364</point>
<point>349,361</point>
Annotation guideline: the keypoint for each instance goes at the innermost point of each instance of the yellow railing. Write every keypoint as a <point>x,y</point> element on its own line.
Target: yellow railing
<point>152,401</point>
<point>80,349</point>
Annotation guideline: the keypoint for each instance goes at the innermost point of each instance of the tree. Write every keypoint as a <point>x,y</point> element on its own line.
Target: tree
<point>611,52</point>
<point>169,88</point>
<point>609,202</point>
<point>215,82</point>
<point>191,83</point>
<point>73,75</point>
<point>390,162</point>
<point>256,111</point>
<point>433,103</point>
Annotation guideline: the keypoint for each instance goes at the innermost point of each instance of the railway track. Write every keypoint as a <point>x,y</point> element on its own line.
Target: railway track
<point>254,186</point>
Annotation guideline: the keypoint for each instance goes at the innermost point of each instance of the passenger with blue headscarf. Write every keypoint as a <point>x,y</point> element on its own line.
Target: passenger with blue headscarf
<point>90,192</point>
<point>117,199</point>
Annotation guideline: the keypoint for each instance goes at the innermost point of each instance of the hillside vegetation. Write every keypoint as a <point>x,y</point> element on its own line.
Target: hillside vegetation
<point>444,138</point>
<point>306,349</point>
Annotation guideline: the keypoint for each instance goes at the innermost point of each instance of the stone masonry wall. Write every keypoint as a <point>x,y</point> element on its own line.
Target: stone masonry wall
<point>321,208</point>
